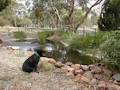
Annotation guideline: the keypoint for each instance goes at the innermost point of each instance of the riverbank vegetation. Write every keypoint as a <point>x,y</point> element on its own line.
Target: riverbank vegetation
<point>19,35</point>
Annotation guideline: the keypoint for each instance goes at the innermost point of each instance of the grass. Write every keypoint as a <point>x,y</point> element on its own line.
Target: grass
<point>42,36</point>
<point>20,35</point>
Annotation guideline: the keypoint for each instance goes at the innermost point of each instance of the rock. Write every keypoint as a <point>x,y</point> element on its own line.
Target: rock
<point>70,74</point>
<point>107,73</point>
<point>88,75</point>
<point>98,76</point>
<point>116,77</point>
<point>102,85</point>
<point>78,77</point>
<point>91,67</point>
<point>68,69</point>
<point>46,64</point>
<point>47,67</point>
<point>85,67</point>
<point>84,80</point>
<point>94,82</point>
<point>80,71</point>
<point>81,79</point>
<point>50,60</point>
<point>1,41</point>
<point>97,70</point>
<point>76,66</point>
<point>59,64</point>
<point>69,63</point>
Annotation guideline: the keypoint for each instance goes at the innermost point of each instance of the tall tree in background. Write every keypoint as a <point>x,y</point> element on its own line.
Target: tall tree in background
<point>110,16</point>
<point>4,4</point>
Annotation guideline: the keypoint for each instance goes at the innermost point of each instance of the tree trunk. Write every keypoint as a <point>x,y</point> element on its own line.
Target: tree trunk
<point>86,14</point>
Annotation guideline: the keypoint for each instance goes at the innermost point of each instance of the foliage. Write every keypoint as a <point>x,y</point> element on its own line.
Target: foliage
<point>110,16</point>
<point>88,41</point>
<point>4,4</point>
<point>23,21</point>
<point>42,36</point>
<point>111,49</point>
<point>19,35</point>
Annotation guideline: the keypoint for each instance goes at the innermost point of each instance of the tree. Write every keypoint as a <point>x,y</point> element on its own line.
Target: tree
<point>86,14</point>
<point>4,4</point>
<point>110,16</point>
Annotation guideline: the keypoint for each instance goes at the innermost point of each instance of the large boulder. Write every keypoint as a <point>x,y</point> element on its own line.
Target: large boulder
<point>46,64</point>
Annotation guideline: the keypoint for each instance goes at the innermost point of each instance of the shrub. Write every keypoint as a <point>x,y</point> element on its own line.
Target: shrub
<point>110,16</point>
<point>19,35</point>
<point>42,36</point>
<point>20,22</point>
<point>88,41</point>
<point>111,49</point>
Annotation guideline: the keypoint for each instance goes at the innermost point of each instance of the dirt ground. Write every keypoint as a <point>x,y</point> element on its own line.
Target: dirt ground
<point>12,77</point>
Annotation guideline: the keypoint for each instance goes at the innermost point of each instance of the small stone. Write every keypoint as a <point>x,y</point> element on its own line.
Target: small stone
<point>76,66</point>
<point>68,69</point>
<point>85,67</point>
<point>78,77</point>
<point>59,64</point>
<point>69,63</point>
<point>98,76</point>
<point>116,77</point>
<point>70,74</point>
<point>91,67</point>
<point>80,71</point>
<point>97,70</point>
<point>84,80</point>
<point>94,82</point>
<point>107,72</point>
<point>88,74</point>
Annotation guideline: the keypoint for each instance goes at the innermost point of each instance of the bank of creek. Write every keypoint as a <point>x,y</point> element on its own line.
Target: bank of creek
<point>62,76</point>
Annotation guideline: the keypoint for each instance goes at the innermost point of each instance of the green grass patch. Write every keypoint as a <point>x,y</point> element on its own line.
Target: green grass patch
<point>42,36</point>
<point>20,35</point>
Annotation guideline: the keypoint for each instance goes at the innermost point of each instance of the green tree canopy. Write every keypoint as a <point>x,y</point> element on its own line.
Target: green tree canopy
<point>4,4</point>
<point>110,16</point>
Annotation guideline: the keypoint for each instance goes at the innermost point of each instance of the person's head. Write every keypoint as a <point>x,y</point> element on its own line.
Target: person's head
<point>41,52</point>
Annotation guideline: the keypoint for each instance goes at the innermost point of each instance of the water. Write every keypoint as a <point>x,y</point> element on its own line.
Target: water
<point>63,55</point>
<point>68,55</point>
<point>25,45</point>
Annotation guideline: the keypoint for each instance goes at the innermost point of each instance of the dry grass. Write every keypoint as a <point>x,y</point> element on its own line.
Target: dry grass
<point>12,78</point>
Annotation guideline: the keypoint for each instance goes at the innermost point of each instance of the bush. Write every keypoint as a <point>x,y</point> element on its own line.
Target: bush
<point>110,16</point>
<point>20,22</point>
<point>19,35</point>
<point>88,41</point>
<point>111,49</point>
<point>42,36</point>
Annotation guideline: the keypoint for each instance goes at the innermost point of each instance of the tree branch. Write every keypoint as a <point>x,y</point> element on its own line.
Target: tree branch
<point>86,14</point>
